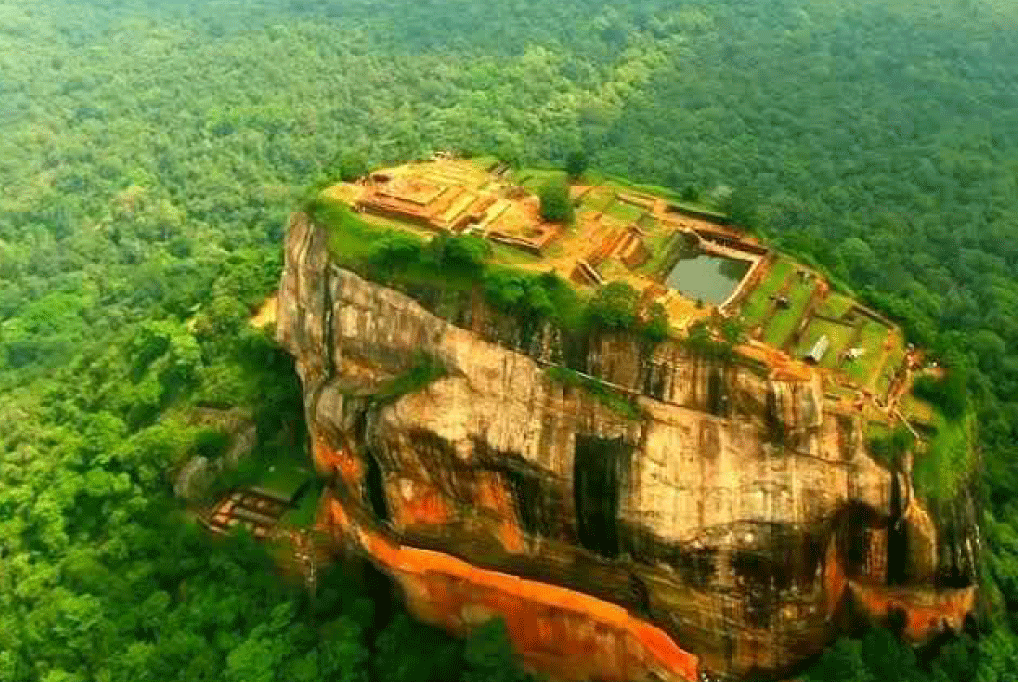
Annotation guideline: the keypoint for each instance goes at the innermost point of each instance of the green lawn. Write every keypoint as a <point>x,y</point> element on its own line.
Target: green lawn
<point>839,336</point>
<point>784,321</point>
<point>620,210</point>
<point>894,360</point>
<point>864,369</point>
<point>534,178</point>
<point>836,305</point>
<point>759,301</point>
<point>502,253</point>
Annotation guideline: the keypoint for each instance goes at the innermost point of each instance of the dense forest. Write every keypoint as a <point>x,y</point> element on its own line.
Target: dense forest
<point>150,151</point>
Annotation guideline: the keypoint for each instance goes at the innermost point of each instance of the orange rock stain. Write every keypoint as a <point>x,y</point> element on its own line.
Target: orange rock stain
<point>567,633</point>
<point>925,614</point>
<point>420,504</point>
<point>493,495</point>
<point>328,459</point>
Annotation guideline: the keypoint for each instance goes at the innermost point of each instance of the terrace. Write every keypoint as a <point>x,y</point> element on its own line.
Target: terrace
<point>685,257</point>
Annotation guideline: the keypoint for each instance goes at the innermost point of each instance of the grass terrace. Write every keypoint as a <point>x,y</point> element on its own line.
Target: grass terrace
<point>626,212</point>
<point>784,320</point>
<point>759,303</point>
<point>835,306</point>
<point>864,370</point>
<point>839,335</point>
<point>917,411</point>
<point>535,178</point>
<point>895,358</point>
<point>597,200</point>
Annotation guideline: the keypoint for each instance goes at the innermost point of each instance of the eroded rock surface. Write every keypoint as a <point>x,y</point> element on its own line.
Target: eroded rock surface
<point>733,520</point>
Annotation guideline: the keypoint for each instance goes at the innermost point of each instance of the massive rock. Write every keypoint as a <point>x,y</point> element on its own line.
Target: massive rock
<point>726,523</point>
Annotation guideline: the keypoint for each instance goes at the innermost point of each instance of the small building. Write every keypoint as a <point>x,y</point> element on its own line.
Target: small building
<point>819,350</point>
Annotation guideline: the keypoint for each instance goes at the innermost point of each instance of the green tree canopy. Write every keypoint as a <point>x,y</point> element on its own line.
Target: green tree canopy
<point>556,205</point>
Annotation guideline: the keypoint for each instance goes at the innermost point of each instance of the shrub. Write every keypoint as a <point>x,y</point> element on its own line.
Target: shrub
<point>395,251</point>
<point>556,206</point>
<point>947,393</point>
<point>211,443</point>
<point>613,307</point>
<point>464,254</point>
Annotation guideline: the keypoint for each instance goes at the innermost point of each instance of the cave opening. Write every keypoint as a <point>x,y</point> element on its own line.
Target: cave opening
<point>374,489</point>
<point>597,469</point>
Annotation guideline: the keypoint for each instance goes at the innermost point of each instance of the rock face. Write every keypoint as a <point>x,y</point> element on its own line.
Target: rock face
<point>728,524</point>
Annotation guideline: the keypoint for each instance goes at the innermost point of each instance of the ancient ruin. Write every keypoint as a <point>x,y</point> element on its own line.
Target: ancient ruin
<point>731,520</point>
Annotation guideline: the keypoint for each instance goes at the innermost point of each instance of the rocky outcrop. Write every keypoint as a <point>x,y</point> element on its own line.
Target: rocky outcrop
<point>722,524</point>
<point>195,478</point>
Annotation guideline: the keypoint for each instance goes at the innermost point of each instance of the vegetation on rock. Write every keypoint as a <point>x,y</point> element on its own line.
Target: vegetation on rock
<point>150,153</point>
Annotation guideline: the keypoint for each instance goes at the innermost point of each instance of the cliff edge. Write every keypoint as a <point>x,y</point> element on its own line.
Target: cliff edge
<point>727,521</point>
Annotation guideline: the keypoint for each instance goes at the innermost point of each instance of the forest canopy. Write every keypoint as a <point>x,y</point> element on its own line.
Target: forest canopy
<point>149,155</point>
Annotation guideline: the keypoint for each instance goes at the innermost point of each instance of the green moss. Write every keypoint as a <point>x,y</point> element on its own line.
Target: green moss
<point>888,445</point>
<point>611,398</point>
<point>425,370</point>
<point>660,247</point>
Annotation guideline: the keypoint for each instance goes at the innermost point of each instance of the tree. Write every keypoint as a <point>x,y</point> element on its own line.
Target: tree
<point>352,166</point>
<point>842,662</point>
<point>742,206</point>
<point>395,251</point>
<point>556,205</point>
<point>464,253</point>
<point>613,307</point>
<point>488,655</point>
<point>655,327</point>
<point>577,162</point>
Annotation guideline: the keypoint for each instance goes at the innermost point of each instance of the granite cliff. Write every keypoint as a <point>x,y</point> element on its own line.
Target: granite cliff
<point>726,522</point>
